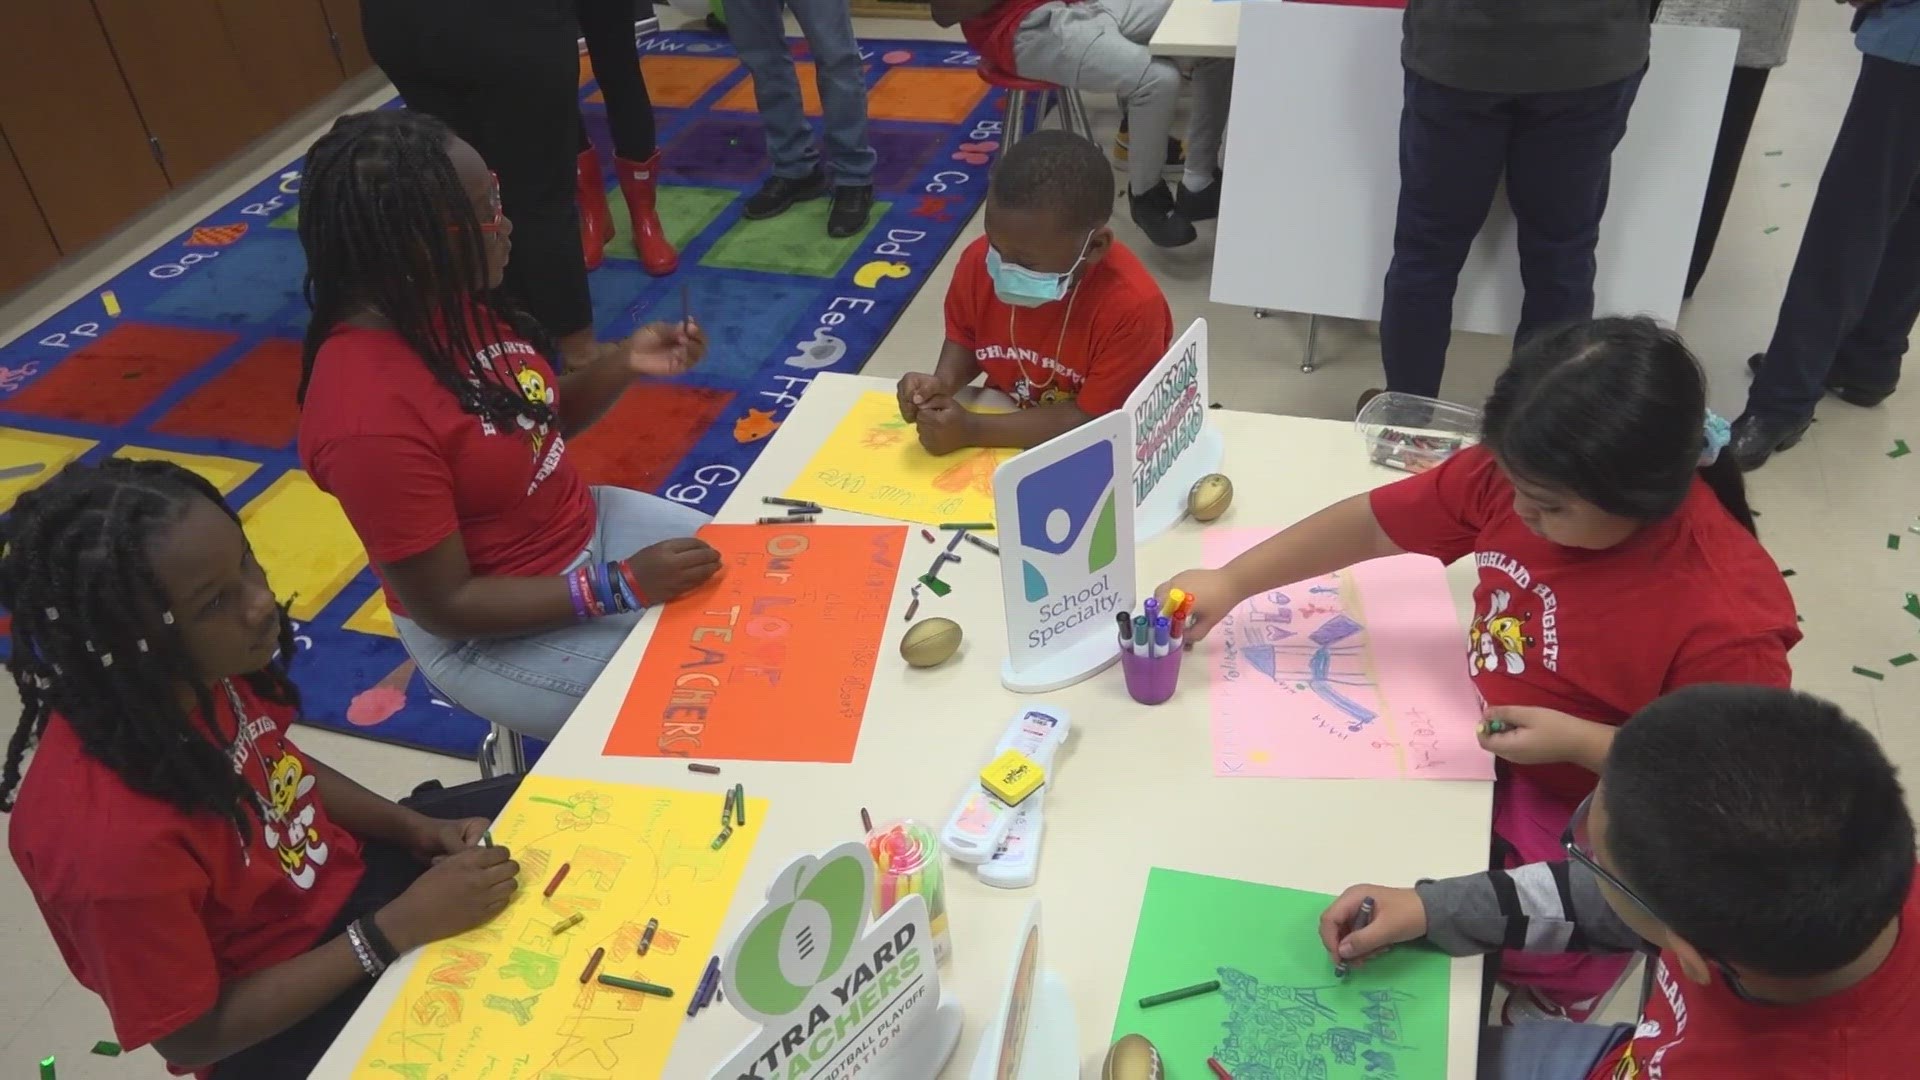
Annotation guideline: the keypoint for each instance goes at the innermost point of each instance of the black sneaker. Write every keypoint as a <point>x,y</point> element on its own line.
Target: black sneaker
<point>1160,219</point>
<point>779,193</point>
<point>1203,205</point>
<point>1865,397</point>
<point>851,208</point>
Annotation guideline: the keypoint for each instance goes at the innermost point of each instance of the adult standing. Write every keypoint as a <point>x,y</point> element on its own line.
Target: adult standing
<point>759,33</point>
<point>615,54</point>
<point>505,75</point>
<point>1766,29</point>
<point>1536,93</point>
<point>1854,293</point>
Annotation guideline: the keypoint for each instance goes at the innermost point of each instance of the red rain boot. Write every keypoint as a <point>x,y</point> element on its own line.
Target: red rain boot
<point>596,221</point>
<point>637,182</point>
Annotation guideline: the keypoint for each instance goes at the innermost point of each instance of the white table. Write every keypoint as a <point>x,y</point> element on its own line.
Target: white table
<point>1198,28</point>
<point>925,731</point>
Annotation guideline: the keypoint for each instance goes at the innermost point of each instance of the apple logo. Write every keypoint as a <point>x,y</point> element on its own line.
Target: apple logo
<point>815,914</point>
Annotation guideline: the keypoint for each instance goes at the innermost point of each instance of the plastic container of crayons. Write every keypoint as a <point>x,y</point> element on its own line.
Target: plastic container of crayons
<point>1413,433</point>
<point>906,860</point>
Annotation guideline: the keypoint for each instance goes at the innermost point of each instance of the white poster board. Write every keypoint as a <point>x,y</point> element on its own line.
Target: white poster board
<point>1033,1034</point>
<point>836,999</point>
<point>1174,443</point>
<point>1316,129</point>
<point>1065,512</point>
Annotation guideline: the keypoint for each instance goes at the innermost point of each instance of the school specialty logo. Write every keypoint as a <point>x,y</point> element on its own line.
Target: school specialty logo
<point>1066,509</point>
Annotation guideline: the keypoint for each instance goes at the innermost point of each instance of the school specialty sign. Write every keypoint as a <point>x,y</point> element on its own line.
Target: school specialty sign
<point>1174,443</point>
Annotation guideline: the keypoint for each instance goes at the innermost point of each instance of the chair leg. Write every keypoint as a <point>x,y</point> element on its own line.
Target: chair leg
<point>517,752</point>
<point>1016,116</point>
<point>485,757</point>
<point>1073,112</point>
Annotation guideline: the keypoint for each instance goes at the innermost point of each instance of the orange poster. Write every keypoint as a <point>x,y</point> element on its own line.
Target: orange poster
<point>772,660</point>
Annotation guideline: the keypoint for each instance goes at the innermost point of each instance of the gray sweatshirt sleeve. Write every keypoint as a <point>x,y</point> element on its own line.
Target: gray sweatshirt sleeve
<point>1540,907</point>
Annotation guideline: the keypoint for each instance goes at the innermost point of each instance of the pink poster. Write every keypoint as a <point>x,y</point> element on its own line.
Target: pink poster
<point>1357,675</point>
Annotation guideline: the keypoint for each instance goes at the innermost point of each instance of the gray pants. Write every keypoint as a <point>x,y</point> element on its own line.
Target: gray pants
<point>1546,1049</point>
<point>1102,46</point>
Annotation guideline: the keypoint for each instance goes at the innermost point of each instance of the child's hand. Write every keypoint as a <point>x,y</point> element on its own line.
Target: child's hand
<point>433,839</point>
<point>664,350</point>
<point>944,426</point>
<point>916,389</point>
<point>1526,735</point>
<point>1398,915</point>
<point>1214,595</point>
<point>455,895</point>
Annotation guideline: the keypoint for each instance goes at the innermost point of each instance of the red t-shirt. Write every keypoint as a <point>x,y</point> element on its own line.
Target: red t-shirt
<point>991,32</point>
<point>1091,348</point>
<point>1597,634</point>
<point>156,909</point>
<point>1870,1031</point>
<point>411,468</point>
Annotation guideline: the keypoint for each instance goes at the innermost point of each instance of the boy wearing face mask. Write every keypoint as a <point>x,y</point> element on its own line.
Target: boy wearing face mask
<point>1049,306</point>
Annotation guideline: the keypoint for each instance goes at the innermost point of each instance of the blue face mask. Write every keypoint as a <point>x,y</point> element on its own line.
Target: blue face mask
<point>1016,285</point>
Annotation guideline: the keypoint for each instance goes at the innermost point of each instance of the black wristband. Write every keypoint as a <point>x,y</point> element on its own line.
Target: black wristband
<point>377,939</point>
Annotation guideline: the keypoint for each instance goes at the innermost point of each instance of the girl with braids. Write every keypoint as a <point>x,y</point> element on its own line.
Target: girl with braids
<point>228,897</point>
<point>431,411</point>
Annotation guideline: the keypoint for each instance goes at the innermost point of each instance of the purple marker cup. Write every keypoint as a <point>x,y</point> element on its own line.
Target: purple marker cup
<point>1151,679</point>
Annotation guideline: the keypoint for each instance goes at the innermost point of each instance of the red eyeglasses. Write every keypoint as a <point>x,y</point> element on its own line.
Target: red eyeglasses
<point>496,216</point>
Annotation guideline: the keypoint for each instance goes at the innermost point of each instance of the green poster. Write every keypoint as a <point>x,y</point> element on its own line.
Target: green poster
<point>1279,1014</point>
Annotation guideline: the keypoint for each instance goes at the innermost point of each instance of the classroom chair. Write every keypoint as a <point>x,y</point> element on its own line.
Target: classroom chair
<point>1073,111</point>
<point>515,745</point>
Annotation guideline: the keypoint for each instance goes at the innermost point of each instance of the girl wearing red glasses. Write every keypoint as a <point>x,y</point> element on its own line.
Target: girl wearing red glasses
<point>430,408</point>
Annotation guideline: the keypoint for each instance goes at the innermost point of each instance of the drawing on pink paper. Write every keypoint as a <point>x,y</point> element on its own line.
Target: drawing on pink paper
<point>1356,675</point>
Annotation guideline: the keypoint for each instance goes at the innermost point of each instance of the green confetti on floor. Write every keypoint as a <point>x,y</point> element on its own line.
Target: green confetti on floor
<point>1770,230</point>
<point>1788,573</point>
<point>1869,673</point>
<point>107,1048</point>
<point>1913,605</point>
<point>1903,660</point>
<point>1899,449</point>
<point>1893,541</point>
<point>1785,183</point>
<point>1775,153</point>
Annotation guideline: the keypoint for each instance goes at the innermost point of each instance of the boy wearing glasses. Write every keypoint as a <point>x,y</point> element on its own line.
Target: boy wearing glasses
<point>1759,843</point>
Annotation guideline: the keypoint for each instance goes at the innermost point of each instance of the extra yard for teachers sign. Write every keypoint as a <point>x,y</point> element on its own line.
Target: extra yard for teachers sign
<point>1173,442</point>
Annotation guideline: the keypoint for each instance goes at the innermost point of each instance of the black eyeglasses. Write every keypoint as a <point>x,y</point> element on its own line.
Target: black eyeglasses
<point>1579,849</point>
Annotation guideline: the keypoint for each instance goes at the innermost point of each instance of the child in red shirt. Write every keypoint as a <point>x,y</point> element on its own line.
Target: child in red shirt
<point>1617,561</point>
<point>1058,314</point>
<point>229,898</point>
<point>1758,843</point>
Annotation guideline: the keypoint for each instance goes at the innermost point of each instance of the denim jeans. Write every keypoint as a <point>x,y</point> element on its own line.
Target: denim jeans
<point>531,684</point>
<point>1555,151</point>
<point>759,35</point>
<point>1546,1049</point>
<point>1854,292</point>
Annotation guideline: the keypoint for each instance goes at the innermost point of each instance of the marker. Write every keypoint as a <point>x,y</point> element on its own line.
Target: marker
<point>1126,627</point>
<point>1361,920</point>
<point>593,964</point>
<point>1176,630</point>
<point>559,876</point>
<point>1140,635</point>
<point>635,984</point>
<point>1175,597</point>
<point>798,504</point>
<point>1152,608</point>
<point>954,526</point>
<point>1162,635</point>
<point>1181,994</point>
<point>646,939</point>
<point>569,923</point>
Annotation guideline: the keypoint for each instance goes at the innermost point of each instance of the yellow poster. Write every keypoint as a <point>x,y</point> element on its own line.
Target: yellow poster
<point>506,1001</point>
<point>873,464</point>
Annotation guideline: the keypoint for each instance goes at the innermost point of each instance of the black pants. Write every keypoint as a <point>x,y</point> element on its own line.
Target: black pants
<point>505,75</point>
<point>1854,292</point>
<point>1555,151</point>
<point>389,871</point>
<point>608,27</point>
<point>1736,123</point>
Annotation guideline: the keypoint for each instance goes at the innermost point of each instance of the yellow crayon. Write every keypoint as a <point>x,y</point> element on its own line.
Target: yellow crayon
<point>568,923</point>
<point>111,303</point>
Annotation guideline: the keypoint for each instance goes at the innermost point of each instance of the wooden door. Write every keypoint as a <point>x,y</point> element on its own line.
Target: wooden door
<point>285,52</point>
<point>344,17</point>
<point>26,244</point>
<point>70,122</point>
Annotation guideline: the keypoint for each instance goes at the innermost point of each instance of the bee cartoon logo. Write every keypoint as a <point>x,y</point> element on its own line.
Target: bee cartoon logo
<point>535,387</point>
<point>1498,640</point>
<point>289,831</point>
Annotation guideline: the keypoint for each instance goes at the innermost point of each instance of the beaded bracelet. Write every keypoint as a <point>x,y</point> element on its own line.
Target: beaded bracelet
<point>363,952</point>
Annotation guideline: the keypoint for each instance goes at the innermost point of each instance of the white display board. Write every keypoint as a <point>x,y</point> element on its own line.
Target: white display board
<point>1306,217</point>
<point>1033,1033</point>
<point>1173,442</point>
<point>1065,512</point>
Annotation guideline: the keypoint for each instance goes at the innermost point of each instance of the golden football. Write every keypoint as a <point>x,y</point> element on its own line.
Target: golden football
<point>1133,1058</point>
<point>930,642</point>
<point>1209,497</point>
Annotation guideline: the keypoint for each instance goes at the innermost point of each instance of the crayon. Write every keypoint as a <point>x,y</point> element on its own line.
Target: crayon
<point>593,964</point>
<point>701,767</point>
<point>569,923</point>
<point>866,820</point>
<point>46,1068</point>
<point>984,545</point>
<point>559,876</point>
<point>635,984</point>
<point>726,808</point>
<point>1219,1071</point>
<point>797,519</point>
<point>726,833</point>
<point>913,608</point>
<point>740,805</point>
<point>799,510</point>
<point>486,838</point>
<point>956,526</point>
<point>112,304</point>
<point>1179,995</point>
<point>928,533</point>
<point>1361,920</point>
<point>798,504</point>
<point>646,936</point>
<point>708,982</point>
<point>940,588</point>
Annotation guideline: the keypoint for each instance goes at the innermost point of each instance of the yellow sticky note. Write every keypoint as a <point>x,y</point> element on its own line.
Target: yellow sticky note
<point>510,990</point>
<point>1012,777</point>
<point>873,463</point>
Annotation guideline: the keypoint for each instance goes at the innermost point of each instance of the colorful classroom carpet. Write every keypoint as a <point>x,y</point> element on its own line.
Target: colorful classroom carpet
<point>192,353</point>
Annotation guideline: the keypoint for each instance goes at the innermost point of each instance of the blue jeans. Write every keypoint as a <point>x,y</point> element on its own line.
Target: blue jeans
<point>531,684</point>
<point>760,36</point>
<point>1555,151</point>
<point>1546,1049</point>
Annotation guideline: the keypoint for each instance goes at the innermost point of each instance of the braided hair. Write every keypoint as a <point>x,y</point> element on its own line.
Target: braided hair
<point>93,638</point>
<point>388,228</point>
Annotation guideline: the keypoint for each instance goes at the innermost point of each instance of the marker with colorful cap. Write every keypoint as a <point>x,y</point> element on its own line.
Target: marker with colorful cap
<point>1125,620</point>
<point>1142,634</point>
<point>1162,635</point>
<point>1152,609</point>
